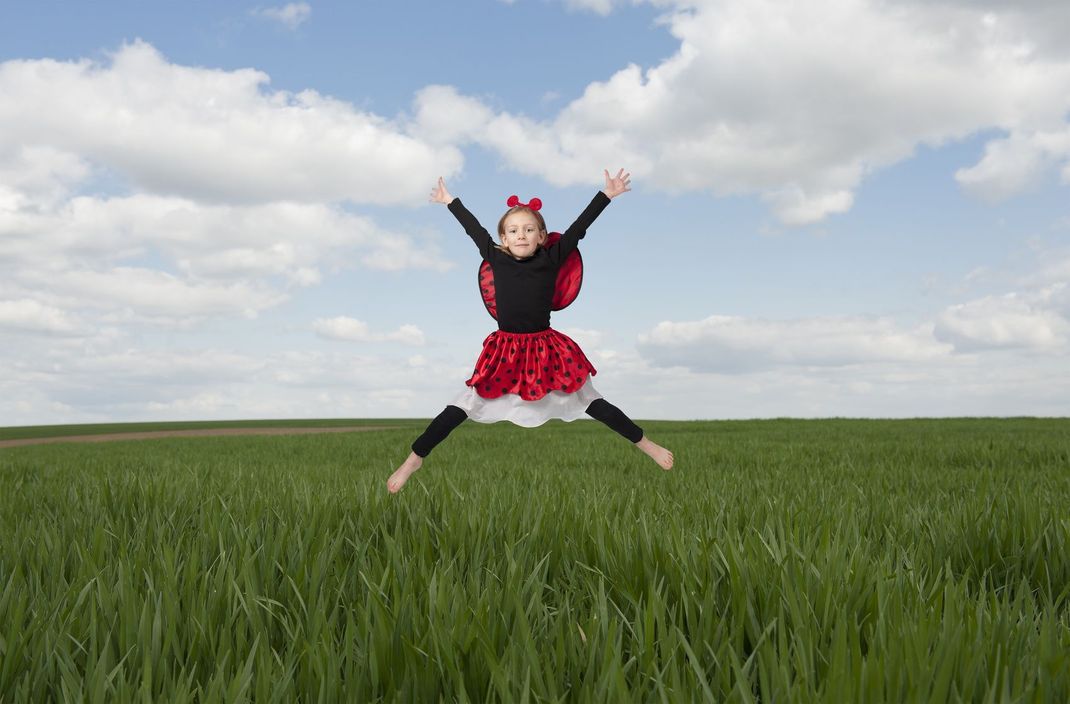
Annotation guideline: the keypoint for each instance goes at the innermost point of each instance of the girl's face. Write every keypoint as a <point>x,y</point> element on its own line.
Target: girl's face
<point>521,234</point>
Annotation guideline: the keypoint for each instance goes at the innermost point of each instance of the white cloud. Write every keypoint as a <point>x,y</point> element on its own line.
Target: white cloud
<point>227,259</point>
<point>1017,162</point>
<point>208,135</point>
<point>233,191</point>
<point>585,338</point>
<point>32,316</point>
<point>994,355</point>
<point>1054,272</point>
<point>729,344</point>
<point>798,102</point>
<point>151,291</point>
<point>601,7</point>
<point>124,382</point>
<point>290,15</point>
<point>994,384</point>
<point>796,207</point>
<point>202,405</point>
<point>346,328</point>
<point>1013,320</point>
<point>225,198</point>
<point>38,175</point>
<point>1036,319</point>
<point>443,116</point>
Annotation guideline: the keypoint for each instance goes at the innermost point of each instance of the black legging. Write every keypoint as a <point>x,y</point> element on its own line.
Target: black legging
<point>452,416</point>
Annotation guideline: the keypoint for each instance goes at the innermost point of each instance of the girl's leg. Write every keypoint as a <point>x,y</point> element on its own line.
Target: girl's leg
<point>603,410</point>
<point>436,432</point>
<point>440,427</point>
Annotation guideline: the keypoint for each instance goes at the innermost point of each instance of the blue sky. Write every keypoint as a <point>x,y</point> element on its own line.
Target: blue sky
<point>219,210</point>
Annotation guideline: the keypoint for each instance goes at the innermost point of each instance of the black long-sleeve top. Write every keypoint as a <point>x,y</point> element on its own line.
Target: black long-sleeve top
<point>524,288</point>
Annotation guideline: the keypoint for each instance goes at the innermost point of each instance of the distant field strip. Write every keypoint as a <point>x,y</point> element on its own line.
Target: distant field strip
<point>189,433</point>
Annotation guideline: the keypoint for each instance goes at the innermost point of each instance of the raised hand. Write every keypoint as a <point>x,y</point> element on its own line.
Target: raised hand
<point>440,194</point>
<point>615,185</point>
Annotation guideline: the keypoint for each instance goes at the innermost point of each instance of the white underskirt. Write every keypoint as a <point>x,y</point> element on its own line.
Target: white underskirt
<point>527,414</point>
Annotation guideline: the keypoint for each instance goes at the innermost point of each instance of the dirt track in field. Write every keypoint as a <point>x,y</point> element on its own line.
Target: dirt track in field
<point>150,434</point>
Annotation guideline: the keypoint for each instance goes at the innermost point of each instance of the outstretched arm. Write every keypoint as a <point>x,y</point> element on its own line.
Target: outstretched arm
<point>570,239</point>
<point>477,232</point>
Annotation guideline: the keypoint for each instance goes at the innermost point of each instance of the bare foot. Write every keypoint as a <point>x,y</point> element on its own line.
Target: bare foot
<point>402,474</point>
<point>658,453</point>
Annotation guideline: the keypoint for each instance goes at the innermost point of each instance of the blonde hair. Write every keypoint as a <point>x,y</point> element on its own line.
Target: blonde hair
<point>517,209</point>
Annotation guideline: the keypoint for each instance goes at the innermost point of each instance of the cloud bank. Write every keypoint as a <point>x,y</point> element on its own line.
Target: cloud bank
<point>140,189</point>
<point>799,102</point>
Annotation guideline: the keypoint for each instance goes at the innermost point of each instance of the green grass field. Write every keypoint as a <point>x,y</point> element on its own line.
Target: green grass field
<point>779,561</point>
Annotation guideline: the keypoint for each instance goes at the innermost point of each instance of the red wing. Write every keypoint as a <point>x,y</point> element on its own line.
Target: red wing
<point>566,288</point>
<point>486,288</point>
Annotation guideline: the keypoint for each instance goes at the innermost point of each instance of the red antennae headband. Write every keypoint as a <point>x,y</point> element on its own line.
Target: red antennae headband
<point>514,201</point>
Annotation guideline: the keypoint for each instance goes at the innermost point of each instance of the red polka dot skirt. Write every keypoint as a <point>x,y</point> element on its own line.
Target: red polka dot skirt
<point>530,365</point>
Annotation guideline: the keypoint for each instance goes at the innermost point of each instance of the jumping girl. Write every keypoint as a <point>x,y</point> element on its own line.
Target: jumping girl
<point>528,372</point>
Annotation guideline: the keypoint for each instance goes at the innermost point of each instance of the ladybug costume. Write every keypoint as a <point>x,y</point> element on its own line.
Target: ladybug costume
<point>527,372</point>
<point>525,357</point>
